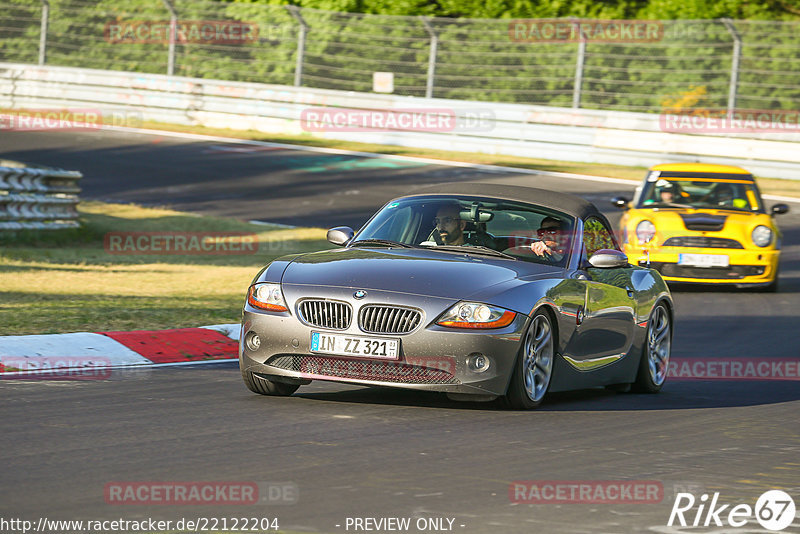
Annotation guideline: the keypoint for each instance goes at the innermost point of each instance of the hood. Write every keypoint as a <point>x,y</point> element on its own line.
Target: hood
<point>417,271</point>
<point>702,221</point>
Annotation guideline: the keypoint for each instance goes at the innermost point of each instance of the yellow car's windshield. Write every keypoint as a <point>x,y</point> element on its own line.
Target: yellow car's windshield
<point>697,193</point>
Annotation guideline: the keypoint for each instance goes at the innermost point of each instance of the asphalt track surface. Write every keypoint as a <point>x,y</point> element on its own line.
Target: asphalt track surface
<point>362,452</point>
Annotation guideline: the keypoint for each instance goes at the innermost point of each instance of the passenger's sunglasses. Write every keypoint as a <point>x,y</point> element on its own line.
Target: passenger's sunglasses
<point>547,231</point>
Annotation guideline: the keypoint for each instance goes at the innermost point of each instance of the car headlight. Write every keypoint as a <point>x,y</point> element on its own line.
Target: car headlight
<point>476,315</point>
<point>762,236</point>
<point>266,296</point>
<point>645,232</point>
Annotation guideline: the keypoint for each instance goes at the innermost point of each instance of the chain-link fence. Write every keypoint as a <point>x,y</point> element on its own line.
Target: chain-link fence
<point>615,65</point>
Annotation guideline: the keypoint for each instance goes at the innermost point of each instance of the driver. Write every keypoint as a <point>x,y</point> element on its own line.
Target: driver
<point>450,225</point>
<point>726,197</point>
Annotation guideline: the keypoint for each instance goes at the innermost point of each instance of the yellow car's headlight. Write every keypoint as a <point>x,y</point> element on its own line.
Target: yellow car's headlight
<point>645,232</point>
<point>762,236</point>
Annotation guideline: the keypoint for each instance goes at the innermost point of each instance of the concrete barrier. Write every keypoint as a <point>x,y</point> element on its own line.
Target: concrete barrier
<point>578,135</point>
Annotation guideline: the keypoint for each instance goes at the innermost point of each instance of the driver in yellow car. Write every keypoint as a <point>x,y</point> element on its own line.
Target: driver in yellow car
<point>725,195</point>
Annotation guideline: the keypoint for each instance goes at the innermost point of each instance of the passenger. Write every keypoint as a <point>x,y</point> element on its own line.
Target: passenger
<point>551,246</point>
<point>666,193</point>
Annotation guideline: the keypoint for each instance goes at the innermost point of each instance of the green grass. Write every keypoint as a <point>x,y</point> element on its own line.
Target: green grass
<point>775,186</point>
<point>66,281</point>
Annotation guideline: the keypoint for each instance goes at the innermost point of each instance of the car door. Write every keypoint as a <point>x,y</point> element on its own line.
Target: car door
<point>606,330</point>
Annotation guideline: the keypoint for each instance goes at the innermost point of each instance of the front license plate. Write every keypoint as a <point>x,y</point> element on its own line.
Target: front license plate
<point>363,347</point>
<point>703,260</point>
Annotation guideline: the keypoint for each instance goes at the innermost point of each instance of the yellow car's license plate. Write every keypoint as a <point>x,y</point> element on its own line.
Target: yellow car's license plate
<point>703,260</point>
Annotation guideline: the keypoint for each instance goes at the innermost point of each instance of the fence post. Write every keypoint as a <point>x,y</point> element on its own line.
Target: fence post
<point>173,35</point>
<point>301,44</point>
<point>576,91</point>
<point>737,55</point>
<point>43,32</point>
<point>431,57</point>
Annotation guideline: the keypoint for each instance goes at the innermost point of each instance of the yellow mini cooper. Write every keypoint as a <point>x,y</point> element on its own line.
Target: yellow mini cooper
<point>702,223</point>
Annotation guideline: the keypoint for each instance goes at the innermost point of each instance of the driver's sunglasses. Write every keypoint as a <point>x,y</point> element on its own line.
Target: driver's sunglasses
<point>547,231</point>
<point>443,220</point>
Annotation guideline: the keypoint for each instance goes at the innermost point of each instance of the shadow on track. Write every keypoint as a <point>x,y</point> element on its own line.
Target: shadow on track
<point>676,395</point>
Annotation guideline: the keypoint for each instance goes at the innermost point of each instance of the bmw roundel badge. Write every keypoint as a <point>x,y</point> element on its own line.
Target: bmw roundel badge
<point>360,294</point>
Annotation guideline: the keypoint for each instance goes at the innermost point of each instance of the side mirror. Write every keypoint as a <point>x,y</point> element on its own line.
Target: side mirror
<point>608,259</point>
<point>620,202</point>
<point>340,235</point>
<point>779,209</point>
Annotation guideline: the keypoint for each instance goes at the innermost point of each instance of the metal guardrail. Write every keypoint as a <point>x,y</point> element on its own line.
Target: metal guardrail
<point>579,135</point>
<point>38,198</point>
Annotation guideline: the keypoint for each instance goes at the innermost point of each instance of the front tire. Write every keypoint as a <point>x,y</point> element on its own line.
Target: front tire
<point>264,386</point>
<point>654,363</point>
<point>533,370</point>
<point>773,286</point>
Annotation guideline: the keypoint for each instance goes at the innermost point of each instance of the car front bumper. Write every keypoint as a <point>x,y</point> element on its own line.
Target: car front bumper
<point>746,267</point>
<point>431,358</point>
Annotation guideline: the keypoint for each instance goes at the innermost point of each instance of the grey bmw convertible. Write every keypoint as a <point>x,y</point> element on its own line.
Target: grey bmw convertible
<point>478,291</point>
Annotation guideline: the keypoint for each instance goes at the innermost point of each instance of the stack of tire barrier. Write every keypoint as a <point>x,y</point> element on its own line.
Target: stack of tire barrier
<point>38,198</point>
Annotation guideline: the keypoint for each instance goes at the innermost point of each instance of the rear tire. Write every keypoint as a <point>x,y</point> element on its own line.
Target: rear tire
<point>264,386</point>
<point>533,370</point>
<point>654,363</point>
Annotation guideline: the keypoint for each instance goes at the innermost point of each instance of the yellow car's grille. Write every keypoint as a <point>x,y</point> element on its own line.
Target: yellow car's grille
<point>700,241</point>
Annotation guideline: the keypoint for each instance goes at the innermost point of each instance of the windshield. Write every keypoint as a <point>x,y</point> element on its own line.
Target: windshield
<point>473,225</point>
<point>701,194</point>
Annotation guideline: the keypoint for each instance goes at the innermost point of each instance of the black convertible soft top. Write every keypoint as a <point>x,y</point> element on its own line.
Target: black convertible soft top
<point>563,202</point>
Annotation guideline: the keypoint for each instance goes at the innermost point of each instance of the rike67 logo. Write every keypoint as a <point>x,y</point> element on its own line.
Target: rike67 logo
<point>774,510</point>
